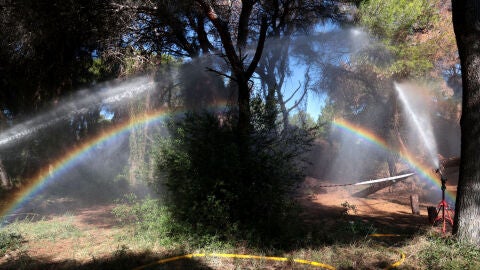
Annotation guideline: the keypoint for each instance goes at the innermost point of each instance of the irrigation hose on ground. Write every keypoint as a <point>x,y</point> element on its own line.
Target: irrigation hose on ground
<point>237,256</point>
<point>384,235</point>
<point>368,182</point>
<point>255,257</point>
<point>397,263</point>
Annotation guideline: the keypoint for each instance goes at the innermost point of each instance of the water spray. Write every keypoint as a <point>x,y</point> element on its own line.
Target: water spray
<point>422,127</point>
<point>106,94</point>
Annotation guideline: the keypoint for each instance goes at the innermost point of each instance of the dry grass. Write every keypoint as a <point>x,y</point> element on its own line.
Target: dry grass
<point>67,242</point>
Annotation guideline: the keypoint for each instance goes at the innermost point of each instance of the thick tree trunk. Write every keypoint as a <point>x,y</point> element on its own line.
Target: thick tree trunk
<point>466,22</point>
<point>243,107</point>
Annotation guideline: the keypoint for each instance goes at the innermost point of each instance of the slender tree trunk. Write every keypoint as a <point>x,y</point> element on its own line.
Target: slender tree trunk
<point>4,180</point>
<point>138,143</point>
<point>393,132</point>
<point>466,22</point>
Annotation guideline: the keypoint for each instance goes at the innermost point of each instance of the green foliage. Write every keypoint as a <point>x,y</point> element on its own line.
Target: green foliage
<point>215,189</point>
<point>355,228</point>
<point>9,241</point>
<point>152,223</point>
<point>325,119</point>
<point>348,208</point>
<point>303,120</point>
<point>448,253</point>
<point>396,22</point>
<point>351,226</point>
<point>44,229</point>
<point>100,69</point>
<point>411,60</point>
<point>395,19</point>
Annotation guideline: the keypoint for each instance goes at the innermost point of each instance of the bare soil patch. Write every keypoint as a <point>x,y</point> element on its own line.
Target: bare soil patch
<point>389,206</point>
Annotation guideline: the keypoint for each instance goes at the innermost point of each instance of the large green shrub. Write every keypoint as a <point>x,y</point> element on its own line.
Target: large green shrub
<point>396,23</point>
<point>215,189</point>
<point>395,19</point>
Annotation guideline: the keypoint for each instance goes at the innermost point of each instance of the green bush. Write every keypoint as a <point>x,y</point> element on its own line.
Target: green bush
<point>215,188</point>
<point>395,19</point>
<point>9,241</point>
<point>152,223</point>
<point>149,219</point>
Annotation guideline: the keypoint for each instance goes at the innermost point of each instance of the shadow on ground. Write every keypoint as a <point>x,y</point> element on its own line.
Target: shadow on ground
<point>117,261</point>
<point>333,225</point>
<point>323,225</point>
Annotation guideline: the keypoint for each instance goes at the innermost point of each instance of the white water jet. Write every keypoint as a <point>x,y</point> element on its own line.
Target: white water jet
<point>420,121</point>
<point>80,103</point>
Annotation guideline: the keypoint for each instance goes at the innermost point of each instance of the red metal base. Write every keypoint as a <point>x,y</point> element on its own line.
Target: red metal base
<point>446,215</point>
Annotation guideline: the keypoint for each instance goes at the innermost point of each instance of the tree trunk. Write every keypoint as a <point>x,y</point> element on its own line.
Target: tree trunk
<point>414,204</point>
<point>393,133</point>
<point>138,142</point>
<point>466,22</point>
<point>243,107</point>
<point>4,180</point>
<point>241,74</point>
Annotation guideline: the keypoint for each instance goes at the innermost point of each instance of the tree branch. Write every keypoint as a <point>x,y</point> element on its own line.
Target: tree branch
<point>247,6</point>
<point>220,73</point>
<point>225,36</point>
<point>305,90</point>
<point>258,53</point>
<point>294,92</point>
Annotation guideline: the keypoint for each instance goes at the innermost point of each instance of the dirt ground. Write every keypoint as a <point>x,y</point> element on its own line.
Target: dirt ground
<point>389,206</point>
<point>323,206</point>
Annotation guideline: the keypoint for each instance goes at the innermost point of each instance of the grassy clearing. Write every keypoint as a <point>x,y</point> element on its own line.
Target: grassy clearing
<point>62,228</point>
<point>144,236</point>
<point>149,225</point>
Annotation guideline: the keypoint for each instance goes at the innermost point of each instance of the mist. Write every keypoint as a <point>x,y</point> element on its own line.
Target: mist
<point>108,94</point>
<point>327,56</point>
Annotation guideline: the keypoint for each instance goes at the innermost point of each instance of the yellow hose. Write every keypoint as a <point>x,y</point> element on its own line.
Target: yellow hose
<point>256,257</point>
<point>384,235</point>
<point>397,263</point>
<point>236,256</point>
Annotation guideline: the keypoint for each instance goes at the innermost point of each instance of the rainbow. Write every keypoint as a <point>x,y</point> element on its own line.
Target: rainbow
<point>423,170</point>
<point>46,175</point>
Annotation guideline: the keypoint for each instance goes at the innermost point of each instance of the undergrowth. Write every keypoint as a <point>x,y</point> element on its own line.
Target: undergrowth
<point>45,229</point>
<point>9,241</point>
<point>151,223</point>
<point>146,220</point>
<point>448,253</point>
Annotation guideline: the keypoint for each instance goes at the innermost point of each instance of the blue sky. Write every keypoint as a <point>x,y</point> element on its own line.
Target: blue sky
<point>315,101</point>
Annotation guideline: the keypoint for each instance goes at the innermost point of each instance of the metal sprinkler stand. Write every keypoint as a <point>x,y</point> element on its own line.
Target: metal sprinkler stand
<point>443,206</point>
